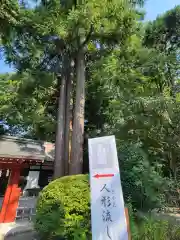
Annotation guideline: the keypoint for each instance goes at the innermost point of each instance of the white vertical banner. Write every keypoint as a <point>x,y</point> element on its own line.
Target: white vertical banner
<point>107,203</point>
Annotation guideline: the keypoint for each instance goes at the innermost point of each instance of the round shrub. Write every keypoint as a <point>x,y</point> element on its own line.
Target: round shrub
<point>63,209</point>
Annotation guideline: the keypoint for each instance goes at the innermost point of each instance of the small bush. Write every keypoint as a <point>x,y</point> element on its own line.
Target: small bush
<point>63,209</point>
<point>149,228</point>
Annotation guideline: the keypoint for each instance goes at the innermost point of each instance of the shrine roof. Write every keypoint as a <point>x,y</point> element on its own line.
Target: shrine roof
<point>27,149</point>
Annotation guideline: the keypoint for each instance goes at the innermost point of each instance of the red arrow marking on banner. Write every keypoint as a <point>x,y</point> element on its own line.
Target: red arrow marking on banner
<point>103,175</point>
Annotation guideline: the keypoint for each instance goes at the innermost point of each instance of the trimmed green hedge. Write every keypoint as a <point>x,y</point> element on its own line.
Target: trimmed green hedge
<point>63,209</point>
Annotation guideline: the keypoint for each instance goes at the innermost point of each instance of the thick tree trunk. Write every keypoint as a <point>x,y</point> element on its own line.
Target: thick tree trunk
<point>59,168</point>
<point>68,116</point>
<point>78,117</point>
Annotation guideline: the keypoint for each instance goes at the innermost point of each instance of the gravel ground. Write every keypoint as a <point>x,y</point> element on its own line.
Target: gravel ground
<point>23,236</point>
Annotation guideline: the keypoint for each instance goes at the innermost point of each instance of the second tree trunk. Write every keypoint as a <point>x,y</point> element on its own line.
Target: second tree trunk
<point>78,117</point>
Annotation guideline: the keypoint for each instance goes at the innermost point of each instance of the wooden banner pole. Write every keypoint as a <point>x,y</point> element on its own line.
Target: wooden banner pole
<point>128,223</point>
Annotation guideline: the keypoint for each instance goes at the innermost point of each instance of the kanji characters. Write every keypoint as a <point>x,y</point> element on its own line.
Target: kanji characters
<point>106,201</point>
<point>106,216</point>
<point>105,188</point>
<point>108,234</point>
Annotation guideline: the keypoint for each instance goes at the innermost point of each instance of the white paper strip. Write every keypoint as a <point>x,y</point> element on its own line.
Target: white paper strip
<point>107,204</point>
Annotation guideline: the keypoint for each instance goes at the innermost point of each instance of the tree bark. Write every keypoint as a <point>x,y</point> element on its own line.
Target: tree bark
<point>78,117</point>
<point>68,117</point>
<point>59,144</point>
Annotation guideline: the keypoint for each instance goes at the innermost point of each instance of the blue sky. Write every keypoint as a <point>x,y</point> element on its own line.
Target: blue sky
<point>156,7</point>
<point>152,7</point>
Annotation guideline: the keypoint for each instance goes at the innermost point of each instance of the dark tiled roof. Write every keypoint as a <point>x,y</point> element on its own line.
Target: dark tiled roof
<point>12,147</point>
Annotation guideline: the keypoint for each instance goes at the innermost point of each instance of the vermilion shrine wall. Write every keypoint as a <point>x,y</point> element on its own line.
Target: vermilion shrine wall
<point>15,155</point>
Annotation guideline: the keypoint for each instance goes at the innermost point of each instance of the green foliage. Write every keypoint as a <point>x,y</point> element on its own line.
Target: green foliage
<point>153,123</point>
<point>46,31</point>
<point>142,182</point>
<point>131,90</point>
<point>37,45</point>
<point>149,228</point>
<point>63,209</point>
<point>131,93</point>
<point>27,104</point>
<point>164,32</point>
<point>9,10</point>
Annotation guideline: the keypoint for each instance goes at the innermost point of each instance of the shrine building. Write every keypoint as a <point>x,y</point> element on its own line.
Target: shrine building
<point>26,166</point>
